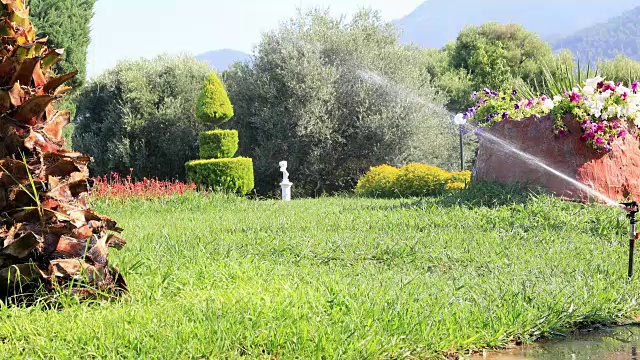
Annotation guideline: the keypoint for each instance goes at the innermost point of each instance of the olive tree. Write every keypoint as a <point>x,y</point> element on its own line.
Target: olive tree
<point>141,116</point>
<point>334,97</point>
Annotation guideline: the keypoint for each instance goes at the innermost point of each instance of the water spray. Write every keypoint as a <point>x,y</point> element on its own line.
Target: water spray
<point>632,210</point>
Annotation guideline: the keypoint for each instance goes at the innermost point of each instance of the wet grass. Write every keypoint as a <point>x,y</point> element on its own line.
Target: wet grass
<point>341,278</point>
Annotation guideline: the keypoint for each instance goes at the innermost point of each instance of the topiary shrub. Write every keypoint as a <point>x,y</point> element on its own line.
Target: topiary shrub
<point>413,180</point>
<point>218,144</point>
<point>234,175</point>
<point>378,182</point>
<point>213,106</point>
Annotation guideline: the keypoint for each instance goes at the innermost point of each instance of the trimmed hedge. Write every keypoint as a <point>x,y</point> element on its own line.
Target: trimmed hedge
<point>213,106</point>
<point>234,175</point>
<point>218,144</point>
<point>413,180</point>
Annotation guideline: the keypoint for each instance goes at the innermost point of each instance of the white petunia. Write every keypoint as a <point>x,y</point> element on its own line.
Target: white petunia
<point>593,83</point>
<point>548,105</point>
<point>588,90</point>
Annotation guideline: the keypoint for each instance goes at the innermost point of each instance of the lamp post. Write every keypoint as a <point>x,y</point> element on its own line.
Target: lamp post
<point>461,122</point>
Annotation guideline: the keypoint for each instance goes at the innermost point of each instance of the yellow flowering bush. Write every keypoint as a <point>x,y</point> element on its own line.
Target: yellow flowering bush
<point>412,180</point>
<point>378,182</point>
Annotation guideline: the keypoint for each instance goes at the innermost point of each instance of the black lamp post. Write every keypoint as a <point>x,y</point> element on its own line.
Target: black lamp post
<point>461,122</point>
<point>632,210</point>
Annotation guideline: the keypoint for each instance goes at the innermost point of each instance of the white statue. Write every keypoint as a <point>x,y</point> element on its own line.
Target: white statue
<point>285,184</point>
<point>285,173</point>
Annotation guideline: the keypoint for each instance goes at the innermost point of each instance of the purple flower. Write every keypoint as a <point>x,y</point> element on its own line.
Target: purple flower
<point>471,111</point>
<point>599,127</point>
<point>530,103</point>
<point>505,116</point>
<point>516,106</point>
<point>589,134</point>
<point>599,141</point>
<point>514,92</point>
<point>614,125</point>
<point>607,148</point>
<point>622,133</point>
<point>474,95</point>
<point>487,91</point>
<point>600,85</point>
<point>493,93</point>
<point>608,86</point>
<point>575,97</point>
<point>544,98</point>
<point>619,83</point>
<point>634,87</point>
<point>562,132</point>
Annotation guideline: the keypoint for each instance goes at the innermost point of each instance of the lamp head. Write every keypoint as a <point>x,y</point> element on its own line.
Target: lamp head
<point>460,120</point>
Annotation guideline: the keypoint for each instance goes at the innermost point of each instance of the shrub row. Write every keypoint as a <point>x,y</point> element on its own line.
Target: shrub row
<point>413,180</point>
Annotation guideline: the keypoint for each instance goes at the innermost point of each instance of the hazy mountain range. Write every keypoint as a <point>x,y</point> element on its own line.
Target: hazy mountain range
<point>619,35</point>
<point>590,28</point>
<point>222,59</point>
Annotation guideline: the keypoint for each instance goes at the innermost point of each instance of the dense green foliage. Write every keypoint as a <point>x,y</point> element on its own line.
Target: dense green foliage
<point>333,98</point>
<point>332,278</point>
<point>232,175</point>
<point>617,36</point>
<point>213,107</point>
<point>67,24</point>
<point>413,180</point>
<point>492,56</point>
<point>218,144</point>
<point>141,115</point>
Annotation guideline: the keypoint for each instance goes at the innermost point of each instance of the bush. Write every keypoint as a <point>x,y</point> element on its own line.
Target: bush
<point>333,98</point>
<point>218,144</point>
<point>234,175</point>
<point>413,180</point>
<point>214,107</point>
<point>379,181</point>
<point>140,115</point>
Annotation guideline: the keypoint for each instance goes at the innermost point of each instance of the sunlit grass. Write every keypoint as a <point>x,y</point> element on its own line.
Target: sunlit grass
<point>220,277</point>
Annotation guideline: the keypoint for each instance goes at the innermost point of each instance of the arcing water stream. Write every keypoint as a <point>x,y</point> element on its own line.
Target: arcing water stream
<point>536,161</point>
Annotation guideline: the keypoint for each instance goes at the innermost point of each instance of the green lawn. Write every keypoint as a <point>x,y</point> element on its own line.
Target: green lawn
<point>339,278</point>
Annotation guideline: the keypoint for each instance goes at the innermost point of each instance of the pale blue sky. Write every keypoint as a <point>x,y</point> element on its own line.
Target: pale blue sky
<point>144,28</point>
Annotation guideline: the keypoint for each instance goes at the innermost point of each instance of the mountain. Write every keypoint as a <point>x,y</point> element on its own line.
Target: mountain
<point>617,36</point>
<point>436,22</point>
<point>222,59</point>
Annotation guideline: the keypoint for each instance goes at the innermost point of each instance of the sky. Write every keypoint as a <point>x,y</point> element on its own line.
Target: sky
<point>131,29</point>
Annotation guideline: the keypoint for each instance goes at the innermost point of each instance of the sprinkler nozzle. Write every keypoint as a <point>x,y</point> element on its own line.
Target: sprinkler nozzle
<point>631,207</point>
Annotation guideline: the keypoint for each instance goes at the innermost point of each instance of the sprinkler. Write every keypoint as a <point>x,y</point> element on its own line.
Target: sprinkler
<point>632,209</point>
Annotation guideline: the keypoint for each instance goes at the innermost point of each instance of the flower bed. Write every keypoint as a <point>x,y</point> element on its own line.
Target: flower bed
<point>115,186</point>
<point>599,107</point>
<point>588,134</point>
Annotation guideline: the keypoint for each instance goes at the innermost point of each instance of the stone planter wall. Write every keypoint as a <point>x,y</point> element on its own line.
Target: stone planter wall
<point>615,174</point>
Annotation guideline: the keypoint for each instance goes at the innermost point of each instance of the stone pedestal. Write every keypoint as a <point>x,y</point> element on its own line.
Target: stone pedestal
<point>615,174</point>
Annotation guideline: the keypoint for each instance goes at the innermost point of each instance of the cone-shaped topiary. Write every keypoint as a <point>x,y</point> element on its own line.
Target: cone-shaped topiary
<point>213,107</point>
<point>49,236</point>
